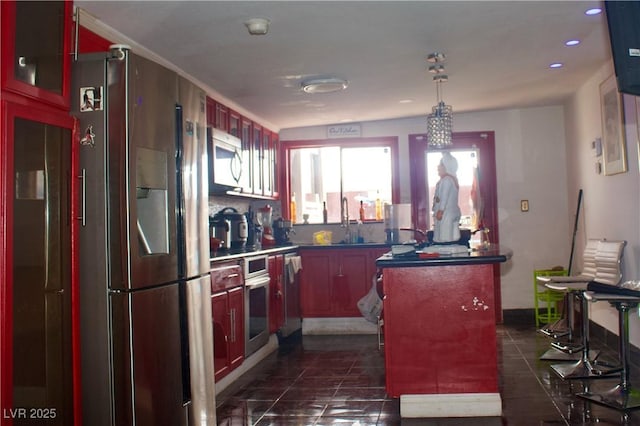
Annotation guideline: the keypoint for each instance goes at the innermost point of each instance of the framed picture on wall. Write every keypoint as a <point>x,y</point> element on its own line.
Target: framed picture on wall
<point>638,125</point>
<point>614,154</point>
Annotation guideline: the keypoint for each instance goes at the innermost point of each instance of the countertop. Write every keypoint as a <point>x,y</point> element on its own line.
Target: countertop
<point>476,256</point>
<point>344,246</point>
<point>222,255</point>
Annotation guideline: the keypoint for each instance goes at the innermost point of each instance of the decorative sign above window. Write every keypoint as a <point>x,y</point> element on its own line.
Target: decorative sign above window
<point>344,131</point>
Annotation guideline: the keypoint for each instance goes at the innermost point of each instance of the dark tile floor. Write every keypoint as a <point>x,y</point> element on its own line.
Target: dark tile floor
<point>326,380</point>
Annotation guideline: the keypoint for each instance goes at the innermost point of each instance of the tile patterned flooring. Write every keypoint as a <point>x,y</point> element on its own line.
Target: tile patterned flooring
<point>327,380</point>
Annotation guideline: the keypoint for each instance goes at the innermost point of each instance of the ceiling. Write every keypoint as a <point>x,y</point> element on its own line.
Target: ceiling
<point>497,53</point>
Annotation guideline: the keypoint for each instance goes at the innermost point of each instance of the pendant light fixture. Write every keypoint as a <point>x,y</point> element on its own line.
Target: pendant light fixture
<point>440,121</point>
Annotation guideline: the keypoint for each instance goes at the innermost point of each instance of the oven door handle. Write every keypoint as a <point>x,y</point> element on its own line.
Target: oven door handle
<point>257,281</point>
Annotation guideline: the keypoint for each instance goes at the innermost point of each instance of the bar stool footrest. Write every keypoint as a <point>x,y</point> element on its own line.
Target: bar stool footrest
<point>580,370</point>
<point>555,355</point>
<point>617,397</point>
<point>566,347</point>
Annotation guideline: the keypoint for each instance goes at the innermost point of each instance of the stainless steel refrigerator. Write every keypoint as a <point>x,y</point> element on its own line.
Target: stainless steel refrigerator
<point>146,333</point>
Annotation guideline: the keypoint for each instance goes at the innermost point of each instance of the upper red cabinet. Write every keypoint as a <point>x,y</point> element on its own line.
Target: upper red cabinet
<point>36,49</point>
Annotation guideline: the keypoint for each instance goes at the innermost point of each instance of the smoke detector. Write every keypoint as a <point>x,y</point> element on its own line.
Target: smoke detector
<point>257,26</point>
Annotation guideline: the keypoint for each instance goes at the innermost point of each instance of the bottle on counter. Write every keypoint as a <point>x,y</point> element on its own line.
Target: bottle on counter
<point>292,208</point>
<point>361,211</point>
<point>324,212</point>
<point>378,207</point>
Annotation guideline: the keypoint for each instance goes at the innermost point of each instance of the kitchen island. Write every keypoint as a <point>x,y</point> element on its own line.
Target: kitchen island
<point>440,333</point>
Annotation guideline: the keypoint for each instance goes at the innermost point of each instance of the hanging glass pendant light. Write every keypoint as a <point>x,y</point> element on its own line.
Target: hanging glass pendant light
<point>440,121</point>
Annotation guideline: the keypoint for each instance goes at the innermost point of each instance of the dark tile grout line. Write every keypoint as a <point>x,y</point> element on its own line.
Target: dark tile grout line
<point>533,372</point>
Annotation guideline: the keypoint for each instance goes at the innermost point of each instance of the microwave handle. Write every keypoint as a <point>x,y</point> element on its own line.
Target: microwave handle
<point>236,166</point>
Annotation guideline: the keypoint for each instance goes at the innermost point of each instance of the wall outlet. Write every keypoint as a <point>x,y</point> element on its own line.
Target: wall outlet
<point>524,205</point>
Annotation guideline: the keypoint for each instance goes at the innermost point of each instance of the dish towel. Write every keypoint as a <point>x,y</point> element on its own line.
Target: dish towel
<point>294,263</point>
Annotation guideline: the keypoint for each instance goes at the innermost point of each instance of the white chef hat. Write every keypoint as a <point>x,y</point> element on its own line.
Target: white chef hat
<point>449,162</point>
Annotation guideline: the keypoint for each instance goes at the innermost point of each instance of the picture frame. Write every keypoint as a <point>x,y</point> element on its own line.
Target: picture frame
<point>638,125</point>
<point>614,155</point>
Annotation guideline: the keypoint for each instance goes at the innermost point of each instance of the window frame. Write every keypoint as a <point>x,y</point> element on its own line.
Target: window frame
<point>382,141</point>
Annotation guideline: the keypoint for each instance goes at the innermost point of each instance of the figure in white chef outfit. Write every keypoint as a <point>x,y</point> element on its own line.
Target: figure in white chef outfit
<point>446,212</point>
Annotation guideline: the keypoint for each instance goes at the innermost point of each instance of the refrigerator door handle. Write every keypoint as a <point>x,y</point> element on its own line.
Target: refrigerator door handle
<point>83,198</point>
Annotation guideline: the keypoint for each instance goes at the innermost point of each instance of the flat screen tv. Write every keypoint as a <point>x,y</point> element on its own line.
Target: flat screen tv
<point>623,18</point>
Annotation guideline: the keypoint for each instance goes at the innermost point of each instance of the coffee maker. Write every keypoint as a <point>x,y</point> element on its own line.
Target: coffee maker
<point>281,230</point>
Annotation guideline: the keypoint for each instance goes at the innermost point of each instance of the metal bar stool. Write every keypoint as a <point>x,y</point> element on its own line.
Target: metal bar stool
<point>623,396</point>
<point>602,261</point>
<point>586,366</point>
<point>564,328</point>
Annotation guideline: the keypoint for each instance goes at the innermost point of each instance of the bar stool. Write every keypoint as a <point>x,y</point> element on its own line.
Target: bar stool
<point>602,260</point>
<point>623,396</point>
<point>564,328</point>
<point>585,367</point>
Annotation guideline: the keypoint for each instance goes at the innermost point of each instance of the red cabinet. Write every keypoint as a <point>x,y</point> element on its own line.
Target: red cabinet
<point>260,147</point>
<point>440,335</point>
<point>333,280</point>
<point>36,47</point>
<point>276,293</point>
<point>39,328</point>
<point>227,306</point>
<point>38,292</point>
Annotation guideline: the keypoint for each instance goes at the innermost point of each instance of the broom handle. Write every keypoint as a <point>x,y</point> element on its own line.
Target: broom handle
<point>575,231</point>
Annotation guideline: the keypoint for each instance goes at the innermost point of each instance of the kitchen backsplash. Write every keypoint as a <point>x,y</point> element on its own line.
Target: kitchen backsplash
<point>371,232</point>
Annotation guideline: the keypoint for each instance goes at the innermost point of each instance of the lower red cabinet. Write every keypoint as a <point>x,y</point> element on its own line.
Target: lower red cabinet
<point>227,306</point>
<point>276,293</point>
<point>334,279</point>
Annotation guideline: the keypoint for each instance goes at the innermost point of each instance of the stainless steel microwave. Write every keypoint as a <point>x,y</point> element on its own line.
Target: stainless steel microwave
<point>225,161</point>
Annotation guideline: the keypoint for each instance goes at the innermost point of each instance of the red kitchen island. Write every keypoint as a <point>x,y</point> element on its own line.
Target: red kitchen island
<point>440,333</point>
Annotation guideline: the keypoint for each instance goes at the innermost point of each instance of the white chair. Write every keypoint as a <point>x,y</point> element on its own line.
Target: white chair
<point>608,271</point>
<point>565,326</point>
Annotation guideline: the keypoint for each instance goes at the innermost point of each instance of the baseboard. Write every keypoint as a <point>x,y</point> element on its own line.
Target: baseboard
<point>323,326</point>
<point>519,317</point>
<point>451,405</point>
<point>248,363</point>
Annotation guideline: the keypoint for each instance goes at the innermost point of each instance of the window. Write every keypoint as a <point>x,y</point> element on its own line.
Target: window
<point>321,173</point>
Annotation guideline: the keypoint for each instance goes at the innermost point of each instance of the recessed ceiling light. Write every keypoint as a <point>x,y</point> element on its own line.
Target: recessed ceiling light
<point>593,11</point>
<point>572,42</point>
<point>324,85</point>
<point>556,65</point>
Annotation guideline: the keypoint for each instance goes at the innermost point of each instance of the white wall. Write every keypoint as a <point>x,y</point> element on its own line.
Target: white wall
<point>531,164</point>
<point>611,203</point>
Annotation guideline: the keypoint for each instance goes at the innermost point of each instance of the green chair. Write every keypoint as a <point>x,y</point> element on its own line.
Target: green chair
<point>546,301</point>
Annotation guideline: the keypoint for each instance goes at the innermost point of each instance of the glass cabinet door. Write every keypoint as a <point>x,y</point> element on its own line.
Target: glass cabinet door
<point>38,312</point>
<point>267,171</point>
<point>256,160</point>
<point>36,45</point>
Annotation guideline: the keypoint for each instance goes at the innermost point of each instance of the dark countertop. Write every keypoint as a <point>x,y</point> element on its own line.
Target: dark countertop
<point>222,255</point>
<point>494,254</point>
<point>344,246</point>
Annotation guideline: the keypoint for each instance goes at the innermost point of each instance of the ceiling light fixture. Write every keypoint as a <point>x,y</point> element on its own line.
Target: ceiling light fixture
<point>435,57</point>
<point>572,42</point>
<point>440,121</point>
<point>556,65</point>
<point>324,85</point>
<point>593,11</point>
<point>257,26</point>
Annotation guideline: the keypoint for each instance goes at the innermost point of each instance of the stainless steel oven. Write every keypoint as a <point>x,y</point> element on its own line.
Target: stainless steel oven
<point>256,303</point>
